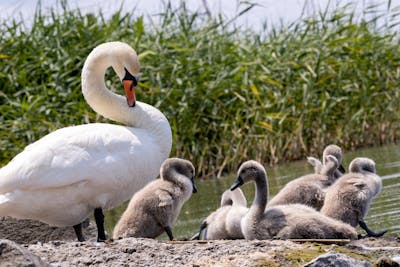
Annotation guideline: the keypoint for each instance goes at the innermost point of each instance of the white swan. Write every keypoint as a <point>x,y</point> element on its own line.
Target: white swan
<point>61,178</point>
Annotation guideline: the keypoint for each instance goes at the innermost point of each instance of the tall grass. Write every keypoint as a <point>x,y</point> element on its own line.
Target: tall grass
<point>230,94</point>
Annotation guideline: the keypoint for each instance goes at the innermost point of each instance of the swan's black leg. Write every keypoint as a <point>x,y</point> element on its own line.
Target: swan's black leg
<point>169,232</point>
<point>364,226</point>
<point>85,223</point>
<point>99,217</point>
<point>78,232</point>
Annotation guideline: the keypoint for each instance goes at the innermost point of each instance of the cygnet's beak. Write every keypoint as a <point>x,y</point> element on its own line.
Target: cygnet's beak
<point>341,169</point>
<point>237,183</point>
<point>130,82</point>
<point>194,185</point>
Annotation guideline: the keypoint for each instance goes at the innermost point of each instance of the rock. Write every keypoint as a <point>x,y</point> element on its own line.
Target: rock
<point>396,258</point>
<point>336,259</point>
<point>32,232</point>
<point>11,254</point>
<point>386,262</point>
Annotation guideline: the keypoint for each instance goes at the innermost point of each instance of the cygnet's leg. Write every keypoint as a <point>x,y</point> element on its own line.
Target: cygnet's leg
<point>364,226</point>
<point>200,235</point>
<point>196,236</point>
<point>99,217</point>
<point>78,232</point>
<point>169,232</point>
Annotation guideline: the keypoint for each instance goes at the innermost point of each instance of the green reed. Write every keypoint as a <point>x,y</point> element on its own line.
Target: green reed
<point>230,94</point>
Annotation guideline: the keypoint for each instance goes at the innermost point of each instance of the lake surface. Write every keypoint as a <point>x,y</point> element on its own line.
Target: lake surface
<point>384,212</point>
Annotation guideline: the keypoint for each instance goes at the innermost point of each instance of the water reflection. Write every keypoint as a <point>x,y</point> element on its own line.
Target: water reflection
<point>384,211</point>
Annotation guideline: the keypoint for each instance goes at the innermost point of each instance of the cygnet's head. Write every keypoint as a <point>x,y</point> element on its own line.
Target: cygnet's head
<point>335,151</point>
<point>362,165</point>
<point>178,170</point>
<point>249,171</point>
<point>231,198</point>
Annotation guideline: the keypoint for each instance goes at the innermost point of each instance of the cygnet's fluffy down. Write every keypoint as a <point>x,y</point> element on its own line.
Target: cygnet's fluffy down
<point>319,167</point>
<point>283,221</point>
<point>155,208</point>
<point>308,189</point>
<point>349,198</point>
<point>224,223</point>
<point>300,221</point>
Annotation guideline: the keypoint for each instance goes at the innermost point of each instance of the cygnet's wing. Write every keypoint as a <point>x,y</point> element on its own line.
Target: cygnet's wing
<point>316,163</point>
<point>359,183</point>
<point>164,197</point>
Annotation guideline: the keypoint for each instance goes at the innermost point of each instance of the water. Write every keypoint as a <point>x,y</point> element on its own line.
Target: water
<point>383,214</point>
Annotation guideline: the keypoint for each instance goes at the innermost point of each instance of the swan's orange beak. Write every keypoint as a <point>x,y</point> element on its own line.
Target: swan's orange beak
<point>130,88</point>
<point>129,81</point>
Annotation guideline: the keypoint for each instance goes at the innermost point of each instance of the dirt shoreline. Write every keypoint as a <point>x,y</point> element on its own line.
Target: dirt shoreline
<point>149,252</point>
<point>63,250</point>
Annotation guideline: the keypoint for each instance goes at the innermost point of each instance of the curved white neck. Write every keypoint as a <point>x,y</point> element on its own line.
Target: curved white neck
<point>115,107</point>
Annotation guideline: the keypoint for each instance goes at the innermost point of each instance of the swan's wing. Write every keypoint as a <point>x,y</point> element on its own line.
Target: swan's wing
<point>74,155</point>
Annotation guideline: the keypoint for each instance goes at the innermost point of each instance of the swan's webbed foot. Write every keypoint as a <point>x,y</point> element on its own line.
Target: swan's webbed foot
<point>371,233</point>
<point>167,229</point>
<point>99,218</point>
<point>78,232</point>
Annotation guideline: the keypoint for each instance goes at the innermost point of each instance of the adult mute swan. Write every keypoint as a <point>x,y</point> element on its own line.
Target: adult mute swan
<point>61,178</point>
<point>283,221</point>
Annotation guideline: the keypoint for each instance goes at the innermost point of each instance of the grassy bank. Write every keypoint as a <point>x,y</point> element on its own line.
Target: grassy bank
<point>229,94</point>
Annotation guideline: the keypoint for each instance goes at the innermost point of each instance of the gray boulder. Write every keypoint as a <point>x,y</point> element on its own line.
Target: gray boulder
<point>333,258</point>
<point>13,255</point>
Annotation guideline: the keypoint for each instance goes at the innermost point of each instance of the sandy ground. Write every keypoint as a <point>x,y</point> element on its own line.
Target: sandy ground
<point>149,252</point>
<point>57,246</point>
